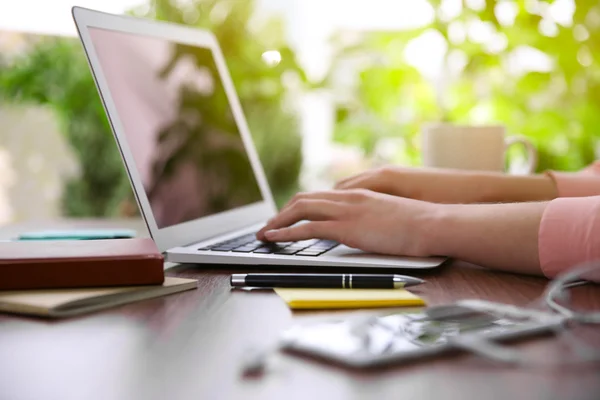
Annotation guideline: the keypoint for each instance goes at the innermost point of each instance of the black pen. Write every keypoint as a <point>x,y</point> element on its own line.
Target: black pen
<point>333,281</point>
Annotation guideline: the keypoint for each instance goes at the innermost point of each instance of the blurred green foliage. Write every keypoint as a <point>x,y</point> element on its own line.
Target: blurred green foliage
<point>557,108</point>
<point>54,72</point>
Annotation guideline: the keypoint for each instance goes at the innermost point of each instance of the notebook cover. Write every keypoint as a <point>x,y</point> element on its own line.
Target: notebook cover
<point>55,303</point>
<point>77,263</point>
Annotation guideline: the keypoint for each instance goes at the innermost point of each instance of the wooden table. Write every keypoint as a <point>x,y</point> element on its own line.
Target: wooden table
<point>191,346</point>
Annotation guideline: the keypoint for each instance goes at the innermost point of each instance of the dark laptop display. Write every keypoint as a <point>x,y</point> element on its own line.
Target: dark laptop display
<point>179,126</point>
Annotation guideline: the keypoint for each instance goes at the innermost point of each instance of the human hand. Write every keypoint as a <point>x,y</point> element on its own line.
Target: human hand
<point>428,184</point>
<point>363,219</point>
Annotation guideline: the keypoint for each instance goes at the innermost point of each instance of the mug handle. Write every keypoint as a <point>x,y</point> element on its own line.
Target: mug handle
<point>532,154</point>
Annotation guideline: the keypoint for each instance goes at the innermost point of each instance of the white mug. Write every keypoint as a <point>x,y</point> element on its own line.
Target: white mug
<point>480,148</point>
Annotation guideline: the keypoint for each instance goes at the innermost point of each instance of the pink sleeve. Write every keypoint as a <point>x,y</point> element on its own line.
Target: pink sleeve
<point>578,184</point>
<point>569,234</point>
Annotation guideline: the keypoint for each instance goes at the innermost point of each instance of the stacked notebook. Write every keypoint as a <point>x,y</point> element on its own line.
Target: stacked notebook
<point>66,278</point>
<point>57,303</point>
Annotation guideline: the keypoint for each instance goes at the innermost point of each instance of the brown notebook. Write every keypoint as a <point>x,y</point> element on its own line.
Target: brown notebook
<point>79,263</point>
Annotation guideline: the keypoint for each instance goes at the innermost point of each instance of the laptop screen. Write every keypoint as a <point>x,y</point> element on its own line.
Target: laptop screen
<point>179,126</point>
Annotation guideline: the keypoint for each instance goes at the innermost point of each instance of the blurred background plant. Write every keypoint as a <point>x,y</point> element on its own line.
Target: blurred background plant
<point>322,87</point>
<point>54,72</point>
<point>475,77</point>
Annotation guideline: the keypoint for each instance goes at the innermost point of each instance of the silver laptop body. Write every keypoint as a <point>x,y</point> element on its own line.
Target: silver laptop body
<point>186,146</point>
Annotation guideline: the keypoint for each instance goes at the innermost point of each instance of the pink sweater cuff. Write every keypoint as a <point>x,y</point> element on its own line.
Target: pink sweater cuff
<point>569,234</point>
<point>577,184</point>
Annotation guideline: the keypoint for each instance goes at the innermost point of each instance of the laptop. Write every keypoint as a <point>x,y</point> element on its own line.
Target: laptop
<point>187,149</point>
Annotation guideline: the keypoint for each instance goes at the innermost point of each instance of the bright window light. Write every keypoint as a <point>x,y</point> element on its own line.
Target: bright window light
<point>52,17</point>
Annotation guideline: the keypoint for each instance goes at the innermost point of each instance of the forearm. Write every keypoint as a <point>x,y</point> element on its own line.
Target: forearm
<point>465,187</point>
<point>503,188</point>
<point>501,236</point>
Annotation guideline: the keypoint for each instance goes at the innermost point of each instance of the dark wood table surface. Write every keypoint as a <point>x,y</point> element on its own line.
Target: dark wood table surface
<point>192,346</point>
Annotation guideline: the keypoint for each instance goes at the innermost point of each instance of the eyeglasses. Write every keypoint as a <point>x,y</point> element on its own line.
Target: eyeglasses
<point>579,332</point>
<point>557,298</point>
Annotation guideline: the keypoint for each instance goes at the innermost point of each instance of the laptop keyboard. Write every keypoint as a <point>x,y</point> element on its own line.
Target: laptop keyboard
<point>249,244</point>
